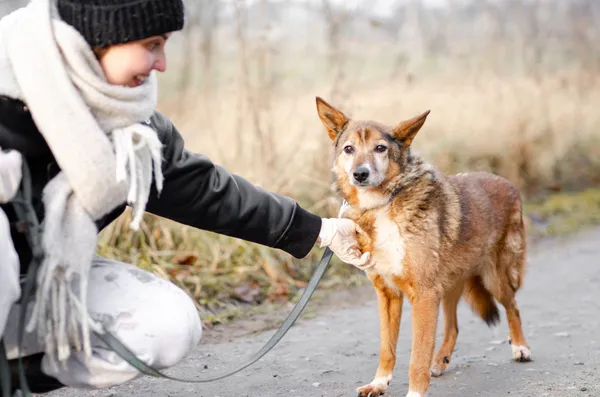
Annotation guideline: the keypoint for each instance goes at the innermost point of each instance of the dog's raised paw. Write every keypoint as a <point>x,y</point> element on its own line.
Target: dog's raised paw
<point>521,353</point>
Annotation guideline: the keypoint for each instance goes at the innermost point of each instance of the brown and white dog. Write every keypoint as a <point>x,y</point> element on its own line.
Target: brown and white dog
<point>433,238</point>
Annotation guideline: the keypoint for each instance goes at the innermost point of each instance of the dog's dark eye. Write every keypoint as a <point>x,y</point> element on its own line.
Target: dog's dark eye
<point>380,148</point>
<point>348,149</point>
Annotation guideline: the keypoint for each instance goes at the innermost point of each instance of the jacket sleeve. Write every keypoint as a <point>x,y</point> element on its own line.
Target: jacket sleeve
<point>199,193</point>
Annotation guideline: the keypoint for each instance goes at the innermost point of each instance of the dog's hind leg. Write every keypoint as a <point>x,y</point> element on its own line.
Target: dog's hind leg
<point>504,292</point>
<point>511,265</point>
<point>506,296</point>
<point>450,303</point>
<point>520,348</point>
<point>390,312</point>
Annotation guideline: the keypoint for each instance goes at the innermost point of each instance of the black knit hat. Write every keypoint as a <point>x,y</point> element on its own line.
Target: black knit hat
<point>106,22</point>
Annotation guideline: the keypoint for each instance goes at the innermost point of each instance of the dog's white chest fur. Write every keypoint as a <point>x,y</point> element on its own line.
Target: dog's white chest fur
<point>388,247</point>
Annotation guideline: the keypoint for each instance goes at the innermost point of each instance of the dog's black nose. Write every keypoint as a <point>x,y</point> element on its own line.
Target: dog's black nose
<point>361,174</point>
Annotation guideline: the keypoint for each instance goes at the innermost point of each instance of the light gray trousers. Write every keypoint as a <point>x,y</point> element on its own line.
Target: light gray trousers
<point>156,319</point>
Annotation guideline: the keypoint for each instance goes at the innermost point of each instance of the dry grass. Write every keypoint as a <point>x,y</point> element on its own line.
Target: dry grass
<point>224,276</point>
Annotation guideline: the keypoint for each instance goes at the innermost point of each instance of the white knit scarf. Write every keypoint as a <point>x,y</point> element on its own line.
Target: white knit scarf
<point>96,133</point>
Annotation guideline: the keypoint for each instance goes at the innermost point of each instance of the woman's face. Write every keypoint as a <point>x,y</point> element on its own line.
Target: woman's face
<point>130,64</point>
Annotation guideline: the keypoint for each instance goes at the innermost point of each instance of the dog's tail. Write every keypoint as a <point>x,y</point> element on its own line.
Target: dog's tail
<point>481,301</point>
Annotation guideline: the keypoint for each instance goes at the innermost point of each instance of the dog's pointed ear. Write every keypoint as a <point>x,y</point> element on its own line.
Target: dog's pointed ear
<point>333,119</point>
<point>406,130</point>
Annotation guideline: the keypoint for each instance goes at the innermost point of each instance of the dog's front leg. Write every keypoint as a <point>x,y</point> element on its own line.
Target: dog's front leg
<point>390,313</point>
<point>425,309</point>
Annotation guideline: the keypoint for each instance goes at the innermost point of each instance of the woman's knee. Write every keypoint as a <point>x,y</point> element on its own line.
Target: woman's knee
<point>179,328</point>
<point>154,317</point>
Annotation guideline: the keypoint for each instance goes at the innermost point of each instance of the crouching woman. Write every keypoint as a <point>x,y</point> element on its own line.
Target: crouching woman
<point>77,103</point>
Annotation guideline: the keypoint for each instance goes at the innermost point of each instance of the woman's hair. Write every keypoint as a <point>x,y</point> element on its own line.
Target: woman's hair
<point>99,51</point>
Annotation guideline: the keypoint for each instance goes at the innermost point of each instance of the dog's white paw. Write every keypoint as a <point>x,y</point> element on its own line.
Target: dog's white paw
<point>377,387</point>
<point>521,353</point>
<point>415,394</point>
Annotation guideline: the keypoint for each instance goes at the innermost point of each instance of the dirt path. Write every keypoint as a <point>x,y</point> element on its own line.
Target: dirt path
<point>337,350</point>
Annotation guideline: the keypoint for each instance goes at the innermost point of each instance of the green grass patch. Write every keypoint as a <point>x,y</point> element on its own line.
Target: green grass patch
<point>563,213</point>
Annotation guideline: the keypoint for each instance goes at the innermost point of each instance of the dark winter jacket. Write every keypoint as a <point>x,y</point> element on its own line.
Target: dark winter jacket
<point>196,192</point>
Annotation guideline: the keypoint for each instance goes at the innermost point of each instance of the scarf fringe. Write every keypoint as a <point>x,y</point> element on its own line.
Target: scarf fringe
<point>134,146</point>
